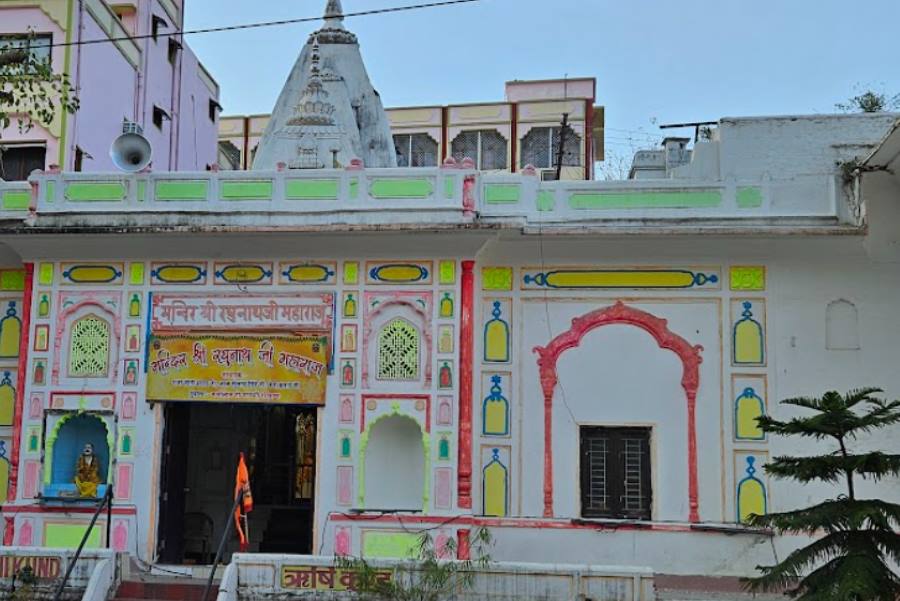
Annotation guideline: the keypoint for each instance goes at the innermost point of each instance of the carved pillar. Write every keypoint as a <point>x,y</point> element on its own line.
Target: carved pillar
<point>462,544</point>
<point>548,384</point>
<point>693,501</point>
<point>466,363</point>
<point>21,381</point>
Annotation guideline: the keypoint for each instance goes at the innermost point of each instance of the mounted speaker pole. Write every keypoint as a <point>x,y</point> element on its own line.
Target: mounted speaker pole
<point>131,152</point>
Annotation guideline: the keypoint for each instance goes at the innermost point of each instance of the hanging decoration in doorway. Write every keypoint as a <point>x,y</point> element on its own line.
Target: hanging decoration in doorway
<point>230,369</point>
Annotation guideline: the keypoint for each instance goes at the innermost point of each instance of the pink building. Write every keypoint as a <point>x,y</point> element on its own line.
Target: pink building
<point>155,81</point>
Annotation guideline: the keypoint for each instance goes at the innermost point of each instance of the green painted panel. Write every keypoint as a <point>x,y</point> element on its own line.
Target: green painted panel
<point>501,193</point>
<point>246,190</point>
<point>95,191</point>
<point>354,188</point>
<point>175,190</point>
<point>311,189</point>
<point>68,536</point>
<point>449,187</point>
<point>749,198</point>
<point>545,201</point>
<point>401,188</point>
<point>676,199</point>
<point>141,190</point>
<point>16,200</point>
<point>12,279</point>
<point>51,190</point>
<point>394,545</point>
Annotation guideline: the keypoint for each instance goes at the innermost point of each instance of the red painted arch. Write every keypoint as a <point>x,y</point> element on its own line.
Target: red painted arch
<point>665,338</point>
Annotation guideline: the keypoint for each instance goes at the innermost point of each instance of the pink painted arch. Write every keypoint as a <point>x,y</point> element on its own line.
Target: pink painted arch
<point>665,338</point>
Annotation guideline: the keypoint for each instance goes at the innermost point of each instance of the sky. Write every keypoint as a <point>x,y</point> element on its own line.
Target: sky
<point>655,61</point>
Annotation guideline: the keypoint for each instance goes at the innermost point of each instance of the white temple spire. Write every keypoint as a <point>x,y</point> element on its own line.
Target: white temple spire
<point>334,11</point>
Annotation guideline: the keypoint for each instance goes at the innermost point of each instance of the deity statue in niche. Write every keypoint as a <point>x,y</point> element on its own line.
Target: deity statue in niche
<point>87,472</point>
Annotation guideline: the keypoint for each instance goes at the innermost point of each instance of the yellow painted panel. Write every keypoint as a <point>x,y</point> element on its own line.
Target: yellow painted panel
<point>495,490</point>
<point>308,273</point>
<point>496,341</point>
<point>400,273</point>
<point>243,273</point>
<point>748,344</point>
<point>179,273</point>
<point>495,418</point>
<point>10,337</point>
<point>749,407</point>
<point>620,279</point>
<point>351,272</point>
<point>7,408</point>
<point>751,499</point>
<point>4,478</point>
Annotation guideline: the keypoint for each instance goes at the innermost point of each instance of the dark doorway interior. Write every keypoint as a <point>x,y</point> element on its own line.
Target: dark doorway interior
<point>202,442</point>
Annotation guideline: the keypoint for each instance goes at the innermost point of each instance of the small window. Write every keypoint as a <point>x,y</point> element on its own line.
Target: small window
<point>398,351</point>
<point>174,47</point>
<point>540,147</point>
<point>214,108</point>
<point>89,348</point>
<point>615,473</point>
<point>37,45</point>
<point>486,147</point>
<point>158,115</point>
<point>155,24</point>
<point>415,150</point>
<point>17,162</point>
<point>79,159</point>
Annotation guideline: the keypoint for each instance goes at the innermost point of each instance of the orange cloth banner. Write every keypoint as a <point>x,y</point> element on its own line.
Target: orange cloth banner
<point>242,487</point>
<point>238,369</point>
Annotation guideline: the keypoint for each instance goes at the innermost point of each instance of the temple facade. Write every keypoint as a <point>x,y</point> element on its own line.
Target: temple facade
<point>574,365</point>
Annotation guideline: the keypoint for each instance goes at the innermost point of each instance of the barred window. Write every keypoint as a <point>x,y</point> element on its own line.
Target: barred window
<point>615,472</point>
<point>89,348</point>
<point>415,150</point>
<point>398,351</point>
<point>487,147</point>
<point>540,147</point>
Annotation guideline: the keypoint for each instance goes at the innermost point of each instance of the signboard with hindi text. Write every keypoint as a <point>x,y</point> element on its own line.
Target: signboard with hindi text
<point>238,369</point>
<point>300,311</point>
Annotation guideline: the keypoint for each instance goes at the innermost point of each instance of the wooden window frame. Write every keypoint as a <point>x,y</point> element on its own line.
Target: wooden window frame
<point>615,471</point>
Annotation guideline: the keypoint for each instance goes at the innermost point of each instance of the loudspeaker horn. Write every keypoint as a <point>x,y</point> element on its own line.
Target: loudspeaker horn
<point>131,152</point>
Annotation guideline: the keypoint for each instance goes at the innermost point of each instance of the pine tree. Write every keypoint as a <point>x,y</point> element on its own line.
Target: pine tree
<point>851,562</point>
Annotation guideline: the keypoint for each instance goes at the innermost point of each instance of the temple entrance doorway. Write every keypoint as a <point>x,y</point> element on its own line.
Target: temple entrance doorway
<point>201,446</point>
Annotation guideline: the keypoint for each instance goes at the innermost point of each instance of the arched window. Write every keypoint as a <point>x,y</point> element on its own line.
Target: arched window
<point>540,147</point>
<point>89,348</point>
<point>415,150</point>
<point>398,351</point>
<point>841,326</point>
<point>394,464</point>
<point>486,146</point>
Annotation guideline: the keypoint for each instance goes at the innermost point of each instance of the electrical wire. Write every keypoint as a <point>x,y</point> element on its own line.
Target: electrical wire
<point>183,32</point>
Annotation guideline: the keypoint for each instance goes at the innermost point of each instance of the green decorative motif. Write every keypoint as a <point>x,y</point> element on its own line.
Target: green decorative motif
<point>136,277</point>
<point>182,190</point>
<point>311,189</point>
<point>45,274</point>
<point>12,280</point>
<point>748,278</point>
<point>545,201</point>
<point>676,199</point>
<point>497,278</point>
<point>89,348</point>
<point>390,545</point>
<point>401,188</point>
<point>142,190</point>
<point>501,193</point>
<point>16,200</point>
<point>449,187</point>
<point>96,191</point>
<point>398,351</point>
<point>50,195</point>
<point>447,272</point>
<point>246,190</point>
<point>749,198</point>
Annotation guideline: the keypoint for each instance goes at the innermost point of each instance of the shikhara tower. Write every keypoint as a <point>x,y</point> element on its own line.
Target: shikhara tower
<point>328,112</point>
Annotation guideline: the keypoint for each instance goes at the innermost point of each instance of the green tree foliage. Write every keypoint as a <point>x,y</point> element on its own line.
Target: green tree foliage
<point>427,577</point>
<point>30,91</point>
<point>869,101</point>
<point>861,539</point>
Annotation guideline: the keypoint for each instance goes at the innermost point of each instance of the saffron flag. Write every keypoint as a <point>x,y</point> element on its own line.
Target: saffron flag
<point>245,505</point>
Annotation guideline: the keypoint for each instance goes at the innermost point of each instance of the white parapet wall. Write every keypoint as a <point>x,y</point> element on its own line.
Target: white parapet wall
<point>95,569</point>
<point>261,576</point>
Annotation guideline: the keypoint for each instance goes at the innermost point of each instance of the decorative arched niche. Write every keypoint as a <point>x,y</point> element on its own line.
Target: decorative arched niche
<point>67,434</point>
<point>841,326</point>
<point>394,459</point>
<point>87,339</point>
<point>665,338</point>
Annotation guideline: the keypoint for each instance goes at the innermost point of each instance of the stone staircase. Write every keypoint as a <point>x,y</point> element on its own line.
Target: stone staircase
<point>164,589</point>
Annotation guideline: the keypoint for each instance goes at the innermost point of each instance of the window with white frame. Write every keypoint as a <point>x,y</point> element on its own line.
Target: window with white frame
<point>416,150</point>
<point>487,147</point>
<point>37,45</point>
<point>540,147</point>
<point>398,351</point>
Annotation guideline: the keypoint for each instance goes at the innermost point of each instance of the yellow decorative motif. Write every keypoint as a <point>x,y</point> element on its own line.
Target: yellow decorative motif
<point>92,274</point>
<point>749,407</point>
<point>495,487</point>
<point>751,494</point>
<point>748,338</point>
<point>7,401</point>
<point>308,274</point>
<point>10,334</point>
<point>243,274</point>
<point>4,478</point>
<point>179,274</point>
<point>496,278</point>
<point>748,278</point>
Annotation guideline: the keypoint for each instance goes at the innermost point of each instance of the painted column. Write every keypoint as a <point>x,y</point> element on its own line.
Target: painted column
<point>463,552</point>
<point>21,381</point>
<point>548,385</point>
<point>464,469</point>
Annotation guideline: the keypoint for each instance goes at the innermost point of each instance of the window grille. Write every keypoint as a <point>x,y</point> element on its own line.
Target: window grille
<point>89,348</point>
<point>540,147</point>
<point>398,351</point>
<point>615,472</point>
<point>486,147</point>
<point>415,150</point>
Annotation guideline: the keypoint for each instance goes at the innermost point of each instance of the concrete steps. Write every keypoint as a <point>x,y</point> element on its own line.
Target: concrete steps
<point>163,590</point>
